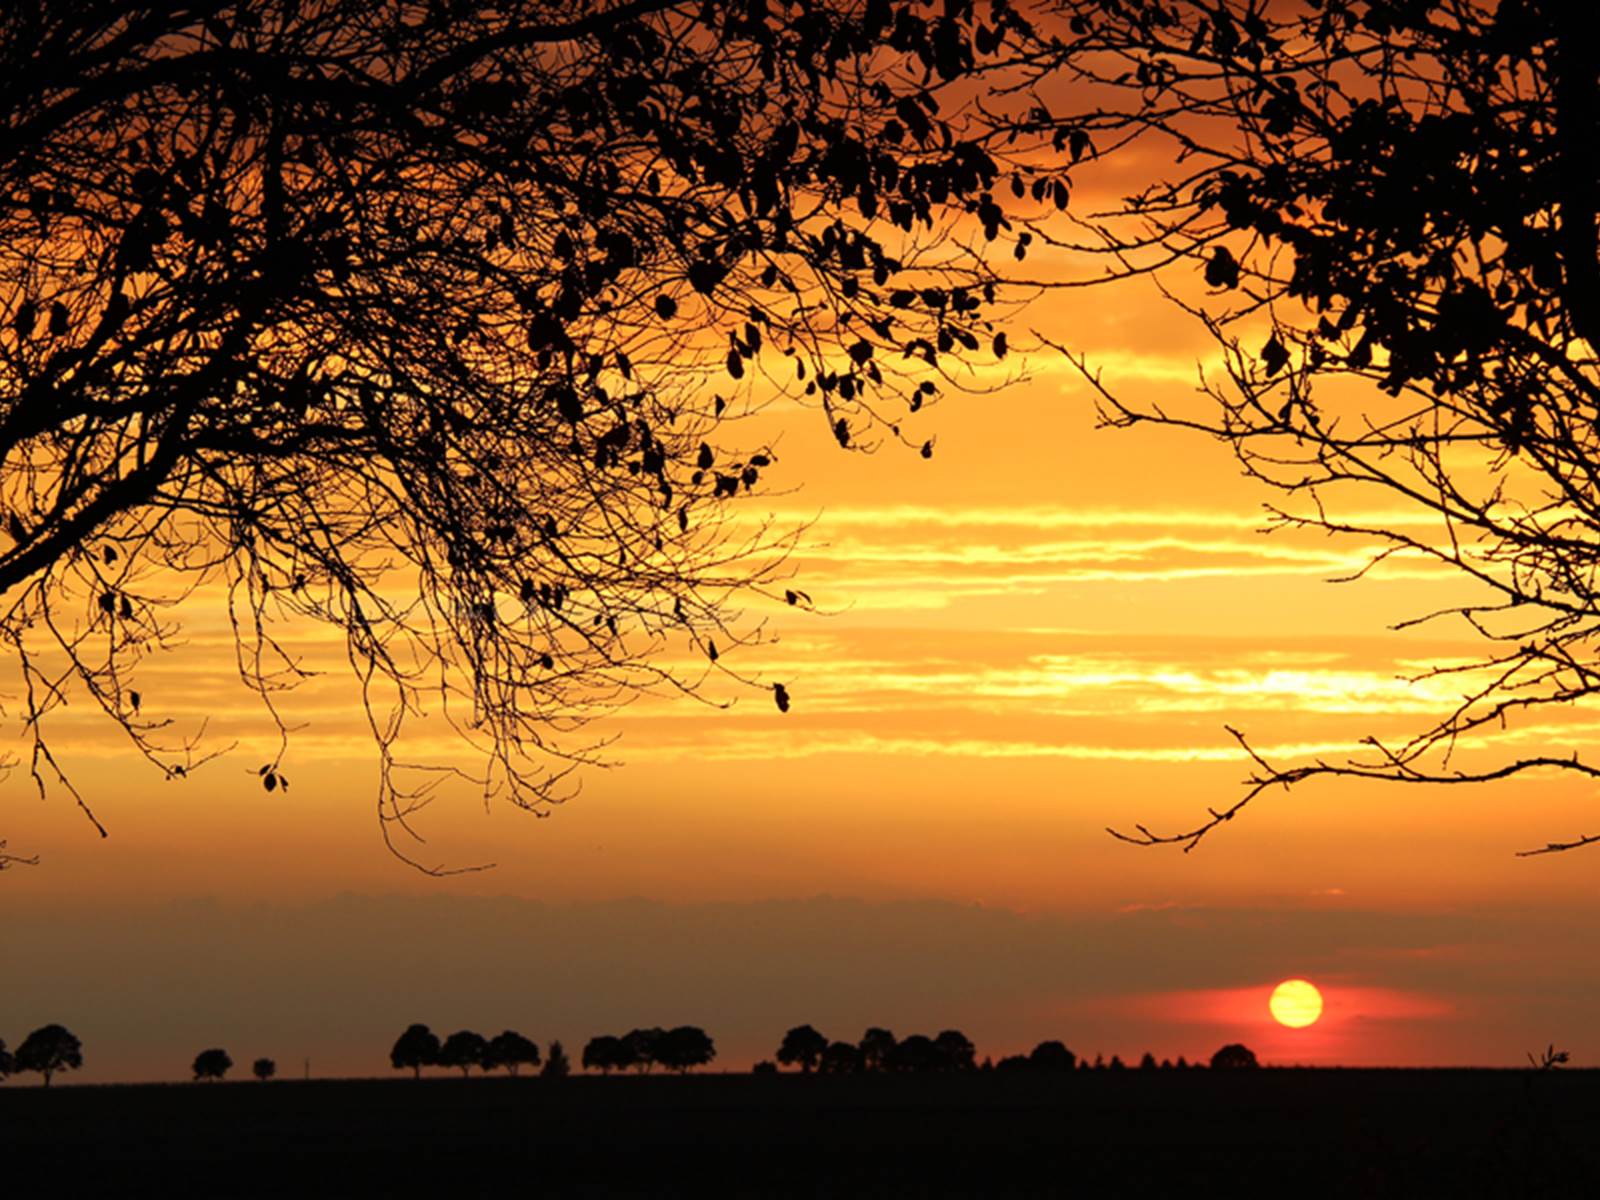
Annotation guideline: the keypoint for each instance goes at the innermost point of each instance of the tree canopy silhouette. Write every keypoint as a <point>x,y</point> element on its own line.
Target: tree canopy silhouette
<point>430,322</point>
<point>685,1047</point>
<point>464,1050</point>
<point>605,1053</point>
<point>212,1064</point>
<point>510,1050</point>
<point>1386,214</point>
<point>557,1065</point>
<point>416,1048</point>
<point>264,1069</point>
<point>802,1046</point>
<point>1234,1056</point>
<point>47,1050</point>
<point>7,1063</point>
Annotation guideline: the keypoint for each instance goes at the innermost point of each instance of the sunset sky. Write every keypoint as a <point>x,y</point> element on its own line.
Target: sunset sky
<point>1038,633</point>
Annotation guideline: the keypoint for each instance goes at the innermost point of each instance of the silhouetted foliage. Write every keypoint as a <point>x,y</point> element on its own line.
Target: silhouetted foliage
<point>7,1063</point>
<point>429,321</point>
<point>1386,215</point>
<point>605,1054</point>
<point>1147,1062</point>
<point>1116,1064</point>
<point>264,1069</point>
<point>1234,1056</point>
<point>916,1053</point>
<point>1015,1062</point>
<point>416,1048</point>
<point>684,1047</point>
<point>765,1067</point>
<point>557,1065</point>
<point>510,1050</point>
<point>876,1046</point>
<point>464,1050</point>
<point>802,1046</point>
<point>956,1050</point>
<point>212,1064</point>
<point>641,1048</point>
<point>1052,1056</point>
<point>841,1058</point>
<point>1550,1059</point>
<point>47,1050</point>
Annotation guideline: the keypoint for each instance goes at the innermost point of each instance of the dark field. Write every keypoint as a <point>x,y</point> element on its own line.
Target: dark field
<point>1291,1133</point>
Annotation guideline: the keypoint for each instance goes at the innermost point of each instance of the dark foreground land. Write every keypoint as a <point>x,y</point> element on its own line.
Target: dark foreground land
<point>1287,1133</point>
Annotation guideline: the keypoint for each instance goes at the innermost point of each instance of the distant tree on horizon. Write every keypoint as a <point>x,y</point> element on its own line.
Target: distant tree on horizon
<point>49,1049</point>
<point>212,1064</point>
<point>604,1053</point>
<point>802,1046</point>
<point>557,1065</point>
<point>764,1067</point>
<point>416,1048</point>
<point>876,1045</point>
<point>956,1049</point>
<point>1052,1056</point>
<point>510,1050</point>
<point>642,1047</point>
<point>841,1058</point>
<point>464,1050</point>
<point>916,1053</point>
<point>264,1069</point>
<point>1234,1056</point>
<point>1015,1062</point>
<point>685,1047</point>
<point>1148,1062</point>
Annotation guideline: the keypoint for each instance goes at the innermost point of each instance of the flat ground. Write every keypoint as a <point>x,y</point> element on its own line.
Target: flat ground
<point>1288,1133</point>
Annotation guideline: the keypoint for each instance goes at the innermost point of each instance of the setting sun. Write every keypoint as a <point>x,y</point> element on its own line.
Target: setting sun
<point>1295,1003</point>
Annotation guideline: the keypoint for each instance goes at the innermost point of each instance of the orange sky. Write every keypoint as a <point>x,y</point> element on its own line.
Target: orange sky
<point>1039,632</point>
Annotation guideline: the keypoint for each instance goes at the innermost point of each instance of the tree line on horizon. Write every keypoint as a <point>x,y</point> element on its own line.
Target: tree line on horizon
<point>951,1050</point>
<point>53,1048</point>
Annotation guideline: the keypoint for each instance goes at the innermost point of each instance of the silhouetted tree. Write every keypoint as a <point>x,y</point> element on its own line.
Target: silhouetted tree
<point>7,1064</point>
<point>47,1050</point>
<point>956,1049</point>
<point>916,1053</point>
<point>641,1048</point>
<point>1117,1064</point>
<point>1385,214</point>
<point>510,1050</point>
<point>1014,1062</point>
<point>410,321</point>
<point>876,1046</point>
<point>1147,1062</point>
<point>212,1064</point>
<point>765,1067</point>
<point>685,1047</point>
<point>1182,1064</point>
<point>604,1054</point>
<point>264,1069</point>
<point>1234,1056</point>
<point>557,1065</point>
<point>802,1046</point>
<point>416,1048</point>
<point>464,1050</point>
<point>841,1058</point>
<point>1052,1056</point>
